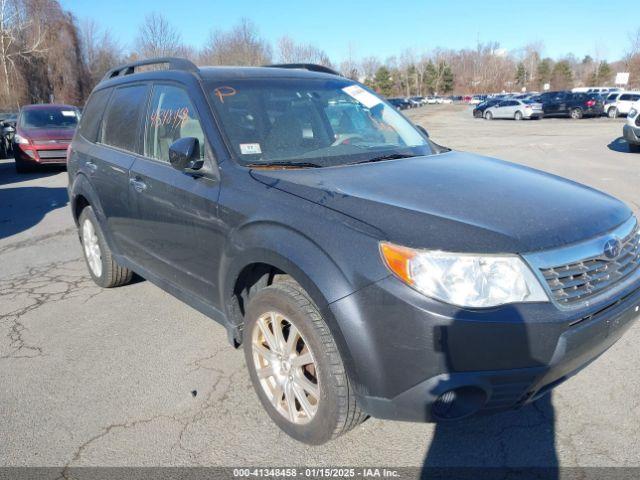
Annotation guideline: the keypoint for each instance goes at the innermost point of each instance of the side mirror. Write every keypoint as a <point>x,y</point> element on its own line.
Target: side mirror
<point>184,154</point>
<point>423,130</point>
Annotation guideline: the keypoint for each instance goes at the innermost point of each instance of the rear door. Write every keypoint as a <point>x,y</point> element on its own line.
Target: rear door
<point>178,237</point>
<point>107,163</point>
<point>625,102</point>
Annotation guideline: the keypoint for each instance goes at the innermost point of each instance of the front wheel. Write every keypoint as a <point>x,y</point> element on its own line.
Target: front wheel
<point>613,112</point>
<point>104,270</point>
<point>295,365</point>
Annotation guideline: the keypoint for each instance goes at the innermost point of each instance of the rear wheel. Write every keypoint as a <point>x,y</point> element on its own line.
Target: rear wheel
<point>103,268</point>
<point>295,365</point>
<point>612,112</point>
<point>518,115</point>
<point>488,115</point>
<point>576,113</point>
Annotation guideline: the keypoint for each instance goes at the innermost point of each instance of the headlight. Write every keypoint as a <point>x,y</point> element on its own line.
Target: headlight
<point>632,113</point>
<point>19,139</point>
<point>464,280</point>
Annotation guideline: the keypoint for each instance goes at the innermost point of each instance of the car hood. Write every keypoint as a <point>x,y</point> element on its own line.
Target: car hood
<point>457,202</point>
<point>44,134</point>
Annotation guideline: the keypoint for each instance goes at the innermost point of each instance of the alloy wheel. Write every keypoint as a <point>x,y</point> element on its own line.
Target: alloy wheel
<point>92,248</point>
<point>285,367</point>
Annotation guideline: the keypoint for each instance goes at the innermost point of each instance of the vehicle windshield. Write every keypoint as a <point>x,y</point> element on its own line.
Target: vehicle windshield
<point>311,122</point>
<point>49,118</point>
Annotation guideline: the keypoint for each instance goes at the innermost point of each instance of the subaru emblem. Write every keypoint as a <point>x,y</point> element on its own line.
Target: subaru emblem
<point>612,248</point>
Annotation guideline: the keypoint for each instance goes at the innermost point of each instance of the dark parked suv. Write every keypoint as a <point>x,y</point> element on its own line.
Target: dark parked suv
<point>364,269</point>
<point>574,105</point>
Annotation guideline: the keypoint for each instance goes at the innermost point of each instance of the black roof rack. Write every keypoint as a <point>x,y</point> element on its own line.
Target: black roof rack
<point>306,66</point>
<point>173,62</point>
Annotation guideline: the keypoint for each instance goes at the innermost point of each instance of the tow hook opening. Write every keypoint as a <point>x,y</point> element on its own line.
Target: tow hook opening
<point>459,403</point>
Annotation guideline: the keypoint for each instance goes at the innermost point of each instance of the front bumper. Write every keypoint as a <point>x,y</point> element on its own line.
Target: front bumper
<point>406,350</point>
<point>42,154</point>
<point>631,134</point>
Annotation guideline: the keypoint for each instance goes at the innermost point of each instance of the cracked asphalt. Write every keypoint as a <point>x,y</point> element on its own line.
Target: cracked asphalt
<point>133,377</point>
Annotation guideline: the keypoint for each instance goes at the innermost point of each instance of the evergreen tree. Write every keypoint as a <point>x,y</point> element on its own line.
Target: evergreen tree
<point>544,72</point>
<point>447,79</point>
<point>562,75</point>
<point>521,75</point>
<point>382,81</point>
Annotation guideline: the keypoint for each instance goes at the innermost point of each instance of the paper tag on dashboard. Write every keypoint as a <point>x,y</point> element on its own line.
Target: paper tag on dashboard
<point>68,113</point>
<point>250,148</point>
<point>360,94</point>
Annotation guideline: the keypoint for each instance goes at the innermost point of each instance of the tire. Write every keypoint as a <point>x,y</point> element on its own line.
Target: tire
<point>333,410</point>
<point>612,112</point>
<point>518,116</point>
<point>3,150</point>
<point>488,115</point>
<point>575,113</point>
<point>104,270</point>
<point>634,148</point>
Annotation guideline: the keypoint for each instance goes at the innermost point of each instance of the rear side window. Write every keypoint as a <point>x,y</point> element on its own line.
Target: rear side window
<point>625,97</point>
<point>120,124</point>
<point>635,97</point>
<point>92,114</point>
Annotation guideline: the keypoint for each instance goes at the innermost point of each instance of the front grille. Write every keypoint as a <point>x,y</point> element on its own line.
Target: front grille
<point>579,281</point>
<point>50,154</point>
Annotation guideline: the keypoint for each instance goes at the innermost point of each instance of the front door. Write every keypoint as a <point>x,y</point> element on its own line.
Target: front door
<point>178,235</point>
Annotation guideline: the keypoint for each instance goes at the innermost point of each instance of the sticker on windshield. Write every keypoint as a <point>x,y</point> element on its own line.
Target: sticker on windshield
<point>250,148</point>
<point>68,113</point>
<point>360,94</point>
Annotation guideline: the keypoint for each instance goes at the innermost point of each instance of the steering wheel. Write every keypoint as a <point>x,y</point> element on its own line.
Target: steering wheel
<point>346,139</point>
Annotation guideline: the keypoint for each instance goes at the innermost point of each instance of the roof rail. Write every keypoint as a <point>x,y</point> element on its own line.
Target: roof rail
<point>173,62</point>
<point>312,67</point>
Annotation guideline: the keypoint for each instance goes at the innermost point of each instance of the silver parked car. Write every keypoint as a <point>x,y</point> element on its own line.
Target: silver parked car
<point>516,109</point>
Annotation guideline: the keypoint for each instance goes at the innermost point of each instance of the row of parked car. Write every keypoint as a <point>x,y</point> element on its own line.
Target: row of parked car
<point>556,104</point>
<point>404,103</point>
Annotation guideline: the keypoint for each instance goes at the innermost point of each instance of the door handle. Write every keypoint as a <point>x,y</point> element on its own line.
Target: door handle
<point>138,185</point>
<point>91,166</point>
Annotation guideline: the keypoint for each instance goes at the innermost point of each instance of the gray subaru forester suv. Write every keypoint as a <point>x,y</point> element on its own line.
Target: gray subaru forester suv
<point>364,269</point>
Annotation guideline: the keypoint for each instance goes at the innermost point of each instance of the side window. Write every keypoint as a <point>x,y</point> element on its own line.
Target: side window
<point>635,98</point>
<point>171,116</point>
<point>626,97</point>
<point>120,125</point>
<point>92,114</point>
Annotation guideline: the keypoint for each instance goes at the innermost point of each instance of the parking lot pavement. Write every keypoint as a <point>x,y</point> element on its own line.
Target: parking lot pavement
<point>131,376</point>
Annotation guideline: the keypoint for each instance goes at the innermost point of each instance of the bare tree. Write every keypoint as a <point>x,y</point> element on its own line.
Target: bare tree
<point>100,51</point>
<point>242,45</point>
<point>291,52</point>
<point>21,40</point>
<point>158,38</point>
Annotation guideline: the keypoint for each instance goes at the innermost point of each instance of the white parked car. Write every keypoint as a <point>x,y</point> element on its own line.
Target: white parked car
<point>620,103</point>
<point>631,129</point>
<point>447,100</point>
<point>432,100</point>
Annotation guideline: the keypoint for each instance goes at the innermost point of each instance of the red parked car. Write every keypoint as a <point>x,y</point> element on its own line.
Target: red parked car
<point>43,133</point>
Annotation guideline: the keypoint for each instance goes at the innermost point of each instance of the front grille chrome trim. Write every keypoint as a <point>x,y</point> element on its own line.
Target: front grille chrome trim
<point>580,275</point>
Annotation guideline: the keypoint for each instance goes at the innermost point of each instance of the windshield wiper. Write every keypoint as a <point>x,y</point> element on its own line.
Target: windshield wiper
<point>381,158</point>
<point>284,164</point>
